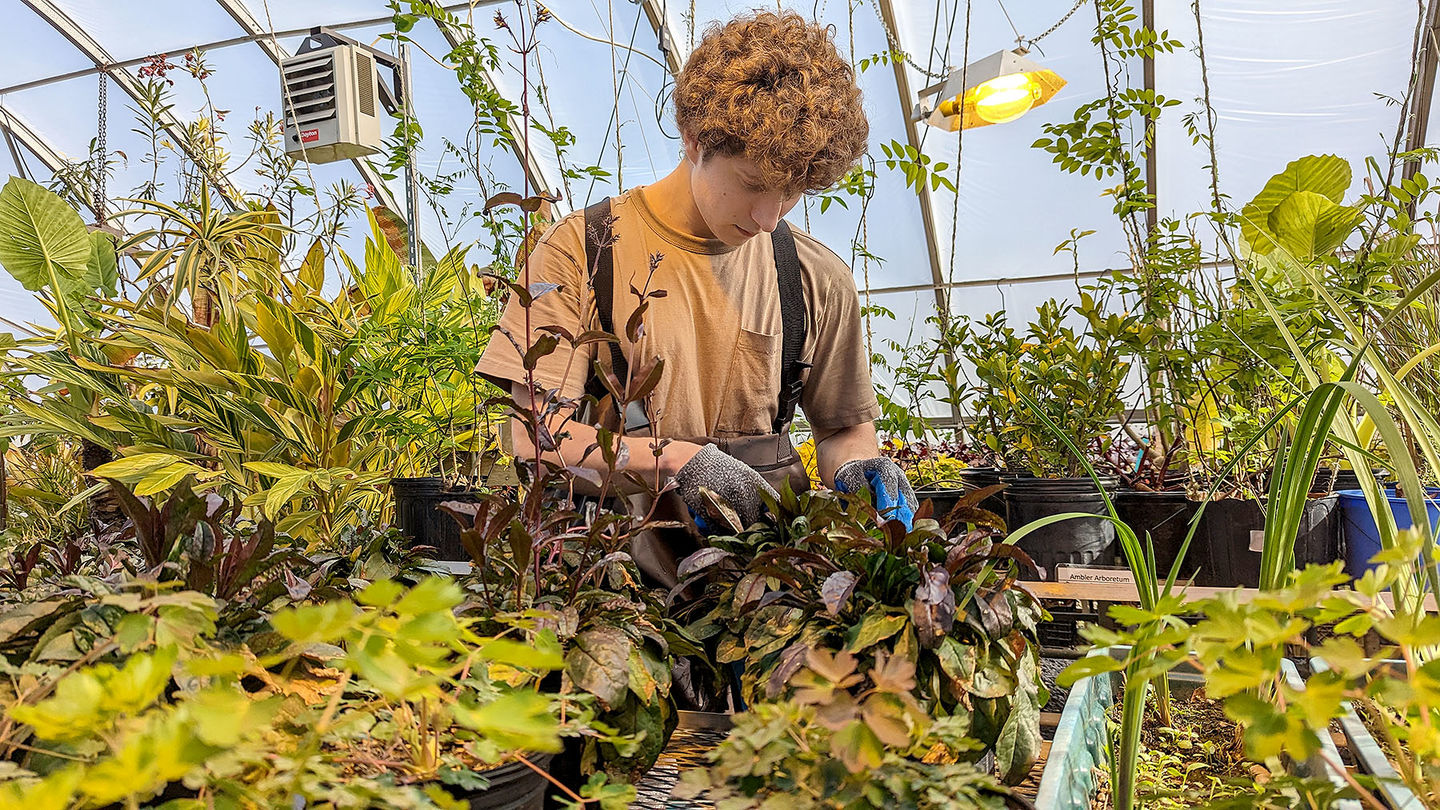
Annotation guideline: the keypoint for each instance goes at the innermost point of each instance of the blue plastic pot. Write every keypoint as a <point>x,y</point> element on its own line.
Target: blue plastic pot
<point>1362,536</point>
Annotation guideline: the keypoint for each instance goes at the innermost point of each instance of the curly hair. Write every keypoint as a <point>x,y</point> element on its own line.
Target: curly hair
<point>772,88</point>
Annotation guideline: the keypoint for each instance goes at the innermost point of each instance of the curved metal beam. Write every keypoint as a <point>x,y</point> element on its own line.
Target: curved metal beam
<point>214,45</point>
<point>908,100</point>
<point>539,184</point>
<point>669,44</point>
<point>87,45</point>
<point>20,130</point>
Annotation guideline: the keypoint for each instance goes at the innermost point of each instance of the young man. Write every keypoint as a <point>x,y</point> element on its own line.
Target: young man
<point>756,315</point>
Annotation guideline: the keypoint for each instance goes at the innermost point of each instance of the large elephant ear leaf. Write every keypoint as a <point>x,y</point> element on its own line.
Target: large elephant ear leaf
<point>43,241</point>
<point>1307,224</point>
<point>1325,175</point>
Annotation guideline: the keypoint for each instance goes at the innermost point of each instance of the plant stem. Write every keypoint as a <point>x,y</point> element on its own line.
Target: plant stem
<point>575,797</point>
<point>323,723</point>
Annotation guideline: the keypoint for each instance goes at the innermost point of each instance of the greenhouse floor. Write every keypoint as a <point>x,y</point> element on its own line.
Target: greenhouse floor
<point>687,749</point>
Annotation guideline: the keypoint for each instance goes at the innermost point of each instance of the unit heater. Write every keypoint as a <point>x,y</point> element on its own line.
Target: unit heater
<point>331,99</point>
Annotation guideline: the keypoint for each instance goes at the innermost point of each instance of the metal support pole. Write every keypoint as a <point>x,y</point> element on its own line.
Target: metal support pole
<point>1424,91</point>
<point>922,189</point>
<point>412,171</point>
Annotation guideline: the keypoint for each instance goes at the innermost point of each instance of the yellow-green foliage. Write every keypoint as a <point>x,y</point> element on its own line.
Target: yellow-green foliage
<point>936,469</point>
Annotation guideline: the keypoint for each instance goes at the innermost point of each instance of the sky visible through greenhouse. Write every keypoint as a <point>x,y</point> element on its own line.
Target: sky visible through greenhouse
<point>1287,79</point>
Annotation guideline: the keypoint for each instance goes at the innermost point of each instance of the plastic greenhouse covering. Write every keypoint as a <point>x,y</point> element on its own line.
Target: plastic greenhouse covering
<point>1286,79</point>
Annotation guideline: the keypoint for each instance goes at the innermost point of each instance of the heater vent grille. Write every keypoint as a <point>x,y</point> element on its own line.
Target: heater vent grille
<point>365,72</point>
<point>310,90</point>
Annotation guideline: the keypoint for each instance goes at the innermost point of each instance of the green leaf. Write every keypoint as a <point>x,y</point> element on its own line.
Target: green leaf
<point>312,269</point>
<point>42,239</point>
<point>1325,175</point>
<point>54,792</point>
<point>380,593</point>
<point>857,747</point>
<point>221,716</point>
<point>309,624</point>
<point>284,491</point>
<point>515,720</point>
<point>1018,745</point>
<point>1307,225</point>
<point>430,595</point>
<point>642,681</point>
<point>274,470</point>
<point>1089,666</point>
<point>102,270</point>
<point>874,628</point>
<point>131,469</point>
<point>521,656</point>
<point>1240,671</point>
<point>165,478</point>
<point>1345,655</point>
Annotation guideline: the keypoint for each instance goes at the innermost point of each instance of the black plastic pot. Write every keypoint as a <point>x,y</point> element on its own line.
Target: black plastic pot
<point>514,786</point>
<point>418,515</point>
<point>565,769</point>
<point>1082,540</point>
<point>1338,480</point>
<point>1231,531</point>
<point>1165,517</point>
<point>942,498</point>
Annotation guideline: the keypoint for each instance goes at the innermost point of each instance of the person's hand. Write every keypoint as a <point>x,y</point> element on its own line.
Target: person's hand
<point>726,476</point>
<point>894,496</point>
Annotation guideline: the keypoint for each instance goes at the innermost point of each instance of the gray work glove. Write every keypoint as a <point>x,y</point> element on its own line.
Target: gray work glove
<point>726,476</point>
<point>894,496</point>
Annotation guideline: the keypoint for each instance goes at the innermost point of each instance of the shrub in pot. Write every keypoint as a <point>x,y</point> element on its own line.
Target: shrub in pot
<point>830,576</point>
<point>573,580</point>
<point>1074,377</point>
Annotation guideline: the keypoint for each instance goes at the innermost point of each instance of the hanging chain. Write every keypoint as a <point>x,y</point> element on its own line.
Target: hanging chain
<point>101,148</point>
<point>1026,43</point>
<point>894,41</point>
<point>1023,42</point>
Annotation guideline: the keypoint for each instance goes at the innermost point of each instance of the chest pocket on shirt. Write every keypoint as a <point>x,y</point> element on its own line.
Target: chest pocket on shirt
<point>752,387</point>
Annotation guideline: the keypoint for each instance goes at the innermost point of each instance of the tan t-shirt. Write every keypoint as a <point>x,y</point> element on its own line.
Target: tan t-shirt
<point>718,328</point>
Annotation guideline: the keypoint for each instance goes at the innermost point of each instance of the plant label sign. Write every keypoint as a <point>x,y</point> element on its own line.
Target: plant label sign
<point>1096,574</point>
<point>1257,539</point>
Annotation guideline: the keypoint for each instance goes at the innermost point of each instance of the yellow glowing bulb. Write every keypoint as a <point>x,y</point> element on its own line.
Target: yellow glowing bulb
<point>1004,98</point>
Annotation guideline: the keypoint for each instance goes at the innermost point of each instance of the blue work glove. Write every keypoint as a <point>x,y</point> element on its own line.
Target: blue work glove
<point>894,496</point>
<point>726,476</point>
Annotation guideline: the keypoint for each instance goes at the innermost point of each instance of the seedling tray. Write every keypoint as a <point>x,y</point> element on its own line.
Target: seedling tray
<point>1068,781</point>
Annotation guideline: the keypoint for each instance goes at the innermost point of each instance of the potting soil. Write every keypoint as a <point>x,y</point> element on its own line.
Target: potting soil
<point>1199,759</point>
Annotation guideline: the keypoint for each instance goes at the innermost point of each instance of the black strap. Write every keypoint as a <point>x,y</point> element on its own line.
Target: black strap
<point>600,263</point>
<point>792,319</point>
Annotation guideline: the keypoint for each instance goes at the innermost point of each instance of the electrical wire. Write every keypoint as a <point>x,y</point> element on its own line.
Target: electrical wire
<point>624,73</point>
<point>603,41</point>
<point>1006,12</point>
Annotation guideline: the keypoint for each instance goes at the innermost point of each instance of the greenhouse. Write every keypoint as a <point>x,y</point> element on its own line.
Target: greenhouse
<point>697,403</point>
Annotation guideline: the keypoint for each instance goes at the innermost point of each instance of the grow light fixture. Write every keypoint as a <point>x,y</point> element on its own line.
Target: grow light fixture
<point>997,89</point>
